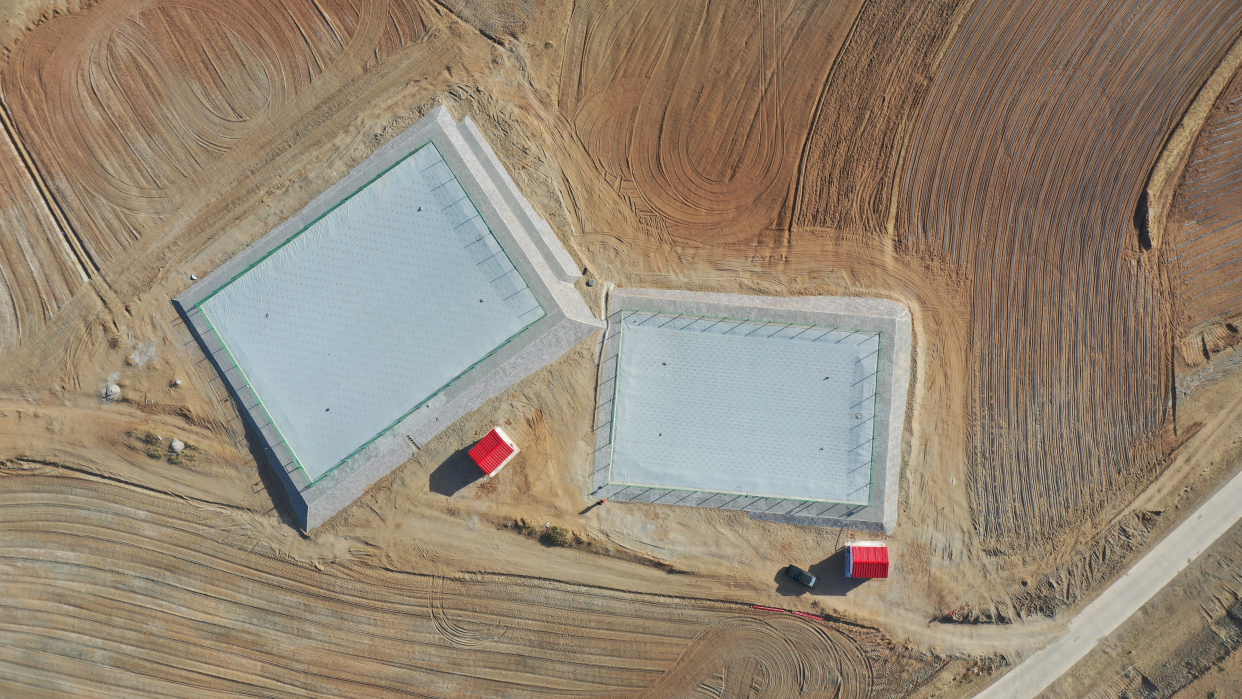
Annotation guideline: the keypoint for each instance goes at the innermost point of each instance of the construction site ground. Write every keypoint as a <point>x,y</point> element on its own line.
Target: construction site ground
<point>1034,191</point>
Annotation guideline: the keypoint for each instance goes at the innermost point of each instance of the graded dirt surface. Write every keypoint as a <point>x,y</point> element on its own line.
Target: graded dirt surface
<point>1206,227</point>
<point>1179,645</point>
<point>985,163</point>
<point>83,556</point>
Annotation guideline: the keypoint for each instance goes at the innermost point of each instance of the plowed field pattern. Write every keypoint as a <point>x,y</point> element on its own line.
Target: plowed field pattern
<point>1208,211</point>
<point>131,107</point>
<point>867,110</point>
<point>110,591</point>
<point>706,148</point>
<point>1034,146</point>
<point>1011,141</point>
<point>999,147</point>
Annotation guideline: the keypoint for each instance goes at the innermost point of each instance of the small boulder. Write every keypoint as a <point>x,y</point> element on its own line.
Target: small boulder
<point>112,393</point>
<point>176,445</point>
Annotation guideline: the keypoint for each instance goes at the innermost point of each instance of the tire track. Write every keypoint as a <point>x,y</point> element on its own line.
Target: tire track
<point>869,107</point>
<point>39,271</point>
<point>700,115</point>
<point>68,236</point>
<point>133,109</point>
<point>1207,229</point>
<point>779,657</point>
<point>484,627</point>
<point>154,123</point>
<point>111,590</point>
<point>1032,149</point>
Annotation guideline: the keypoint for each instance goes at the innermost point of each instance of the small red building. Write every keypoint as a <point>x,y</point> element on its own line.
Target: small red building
<point>867,559</point>
<point>493,451</point>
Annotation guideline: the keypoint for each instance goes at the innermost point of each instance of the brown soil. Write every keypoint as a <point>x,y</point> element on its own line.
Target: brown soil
<point>1217,683</point>
<point>972,159</point>
<point>41,273</point>
<point>1207,227</point>
<point>1065,398</point>
<point>241,608</point>
<point>1184,643</point>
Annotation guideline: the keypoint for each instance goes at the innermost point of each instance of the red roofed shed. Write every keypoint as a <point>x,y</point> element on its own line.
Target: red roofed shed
<point>493,451</point>
<point>867,559</point>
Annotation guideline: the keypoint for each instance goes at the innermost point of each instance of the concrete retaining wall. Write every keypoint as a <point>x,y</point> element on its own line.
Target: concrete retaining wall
<point>531,244</point>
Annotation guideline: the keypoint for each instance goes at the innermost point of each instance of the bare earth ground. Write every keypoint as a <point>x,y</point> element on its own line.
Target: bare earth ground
<point>973,159</point>
<point>1182,643</point>
<point>1192,629</point>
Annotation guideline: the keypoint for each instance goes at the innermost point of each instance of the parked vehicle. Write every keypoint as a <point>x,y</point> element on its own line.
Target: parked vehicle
<point>801,576</point>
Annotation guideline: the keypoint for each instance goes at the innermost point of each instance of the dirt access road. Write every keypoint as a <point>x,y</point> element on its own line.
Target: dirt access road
<point>969,158</point>
<point>1124,597</point>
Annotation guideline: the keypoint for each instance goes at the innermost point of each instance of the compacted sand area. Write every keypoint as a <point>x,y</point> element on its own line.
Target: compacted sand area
<point>1050,188</point>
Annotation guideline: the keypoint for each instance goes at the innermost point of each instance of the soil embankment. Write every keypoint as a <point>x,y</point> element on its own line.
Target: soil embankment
<point>981,161</point>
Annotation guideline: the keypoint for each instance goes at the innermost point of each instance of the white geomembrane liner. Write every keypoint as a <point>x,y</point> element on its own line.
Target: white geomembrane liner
<point>371,310</point>
<point>765,409</point>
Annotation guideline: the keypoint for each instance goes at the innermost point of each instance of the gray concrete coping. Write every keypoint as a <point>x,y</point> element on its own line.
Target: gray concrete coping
<point>531,244</point>
<point>889,318</point>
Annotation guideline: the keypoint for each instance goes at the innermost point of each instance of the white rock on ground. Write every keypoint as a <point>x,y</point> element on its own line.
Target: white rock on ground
<point>112,392</point>
<point>176,445</point>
